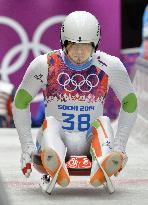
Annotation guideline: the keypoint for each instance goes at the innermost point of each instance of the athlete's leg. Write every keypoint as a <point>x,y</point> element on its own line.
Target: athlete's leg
<point>52,150</point>
<point>101,136</point>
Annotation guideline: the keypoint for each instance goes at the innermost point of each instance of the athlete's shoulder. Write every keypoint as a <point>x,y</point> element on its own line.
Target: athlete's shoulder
<point>38,67</point>
<point>53,57</point>
<point>107,62</point>
<point>40,60</point>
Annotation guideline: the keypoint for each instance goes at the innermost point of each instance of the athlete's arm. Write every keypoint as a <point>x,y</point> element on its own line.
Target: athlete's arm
<point>120,82</point>
<point>34,79</point>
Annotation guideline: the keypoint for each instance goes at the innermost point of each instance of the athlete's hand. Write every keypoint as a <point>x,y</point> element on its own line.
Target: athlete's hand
<point>125,159</point>
<point>26,159</point>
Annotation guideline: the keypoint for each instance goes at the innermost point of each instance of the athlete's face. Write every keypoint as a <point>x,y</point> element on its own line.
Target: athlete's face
<point>79,52</point>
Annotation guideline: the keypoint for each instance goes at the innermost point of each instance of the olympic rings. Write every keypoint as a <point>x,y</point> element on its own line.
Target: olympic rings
<point>25,46</point>
<point>64,79</point>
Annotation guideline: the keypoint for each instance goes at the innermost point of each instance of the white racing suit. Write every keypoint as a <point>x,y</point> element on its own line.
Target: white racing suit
<point>74,100</point>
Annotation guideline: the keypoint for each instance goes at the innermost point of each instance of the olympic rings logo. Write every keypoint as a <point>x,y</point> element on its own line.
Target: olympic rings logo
<point>5,68</point>
<point>78,81</point>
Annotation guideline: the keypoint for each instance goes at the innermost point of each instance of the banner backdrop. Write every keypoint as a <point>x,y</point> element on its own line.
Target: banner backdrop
<point>29,28</point>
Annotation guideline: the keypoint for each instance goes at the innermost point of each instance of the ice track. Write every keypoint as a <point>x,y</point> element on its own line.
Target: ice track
<point>131,186</point>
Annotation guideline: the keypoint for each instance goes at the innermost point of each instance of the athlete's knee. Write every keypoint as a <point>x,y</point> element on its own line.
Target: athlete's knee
<point>52,135</point>
<point>104,120</point>
<point>101,126</point>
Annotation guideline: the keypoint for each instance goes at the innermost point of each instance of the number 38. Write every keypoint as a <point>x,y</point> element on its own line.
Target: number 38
<point>83,121</point>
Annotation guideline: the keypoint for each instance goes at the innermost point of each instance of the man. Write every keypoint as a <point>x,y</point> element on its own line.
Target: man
<point>75,81</point>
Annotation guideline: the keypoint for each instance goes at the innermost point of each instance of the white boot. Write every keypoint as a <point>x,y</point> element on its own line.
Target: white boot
<point>53,151</point>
